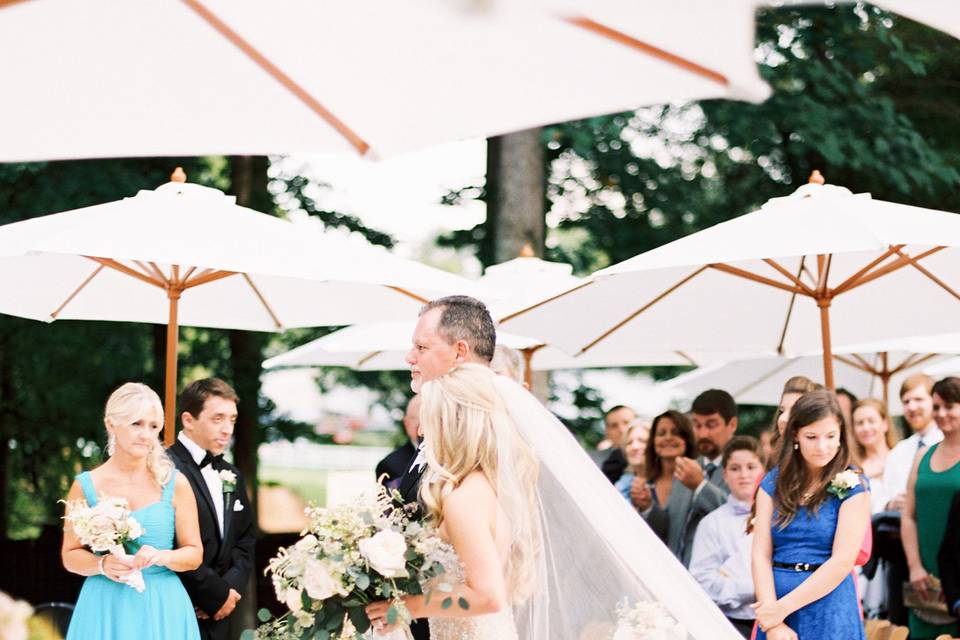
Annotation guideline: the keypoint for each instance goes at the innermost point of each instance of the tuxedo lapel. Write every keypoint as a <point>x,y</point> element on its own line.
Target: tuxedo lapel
<point>228,500</point>
<point>410,485</point>
<point>192,471</point>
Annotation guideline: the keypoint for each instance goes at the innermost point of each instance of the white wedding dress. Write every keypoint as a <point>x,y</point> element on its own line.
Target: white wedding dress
<point>491,626</point>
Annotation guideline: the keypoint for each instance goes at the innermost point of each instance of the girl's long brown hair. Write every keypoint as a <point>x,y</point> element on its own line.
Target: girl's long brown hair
<point>794,477</point>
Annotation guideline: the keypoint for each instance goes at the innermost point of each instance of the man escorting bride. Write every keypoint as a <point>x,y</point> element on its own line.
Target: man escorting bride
<point>548,549</point>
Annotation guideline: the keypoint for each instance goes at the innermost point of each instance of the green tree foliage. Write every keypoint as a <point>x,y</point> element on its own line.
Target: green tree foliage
<point>869,99</point>
<point>850,99</point>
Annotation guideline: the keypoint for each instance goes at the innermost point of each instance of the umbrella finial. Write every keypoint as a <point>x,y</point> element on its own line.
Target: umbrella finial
<point>526,251</point>
<point>816,178</point>
<point>178,175</point>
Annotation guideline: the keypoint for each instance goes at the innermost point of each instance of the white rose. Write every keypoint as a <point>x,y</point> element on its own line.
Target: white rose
<point>847,479</point>
<point>114,510</point>
<point>386,552</point>
<point>228,476</point>
<point>318,581</point>
<point>134,529</point>
<point>293,601</point>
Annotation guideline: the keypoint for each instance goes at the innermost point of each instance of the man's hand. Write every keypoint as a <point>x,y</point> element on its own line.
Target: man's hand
<point>201,614</point>
<point>232,599</point>
<point>688,472</point>
<point>640,494</point>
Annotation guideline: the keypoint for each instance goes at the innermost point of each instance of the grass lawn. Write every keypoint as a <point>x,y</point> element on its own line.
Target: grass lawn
<point>309,484</point>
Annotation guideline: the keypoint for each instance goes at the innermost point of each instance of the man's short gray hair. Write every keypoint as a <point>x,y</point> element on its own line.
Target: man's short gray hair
<point>465,318</point>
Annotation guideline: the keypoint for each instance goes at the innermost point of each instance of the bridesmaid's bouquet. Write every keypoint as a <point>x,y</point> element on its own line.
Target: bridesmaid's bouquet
<point>647,621</point>
<point>348,557</point>
<point>107,527</point>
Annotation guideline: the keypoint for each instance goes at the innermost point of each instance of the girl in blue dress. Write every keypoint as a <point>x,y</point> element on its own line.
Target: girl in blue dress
<point>812,514</point>
<point>163,503</point>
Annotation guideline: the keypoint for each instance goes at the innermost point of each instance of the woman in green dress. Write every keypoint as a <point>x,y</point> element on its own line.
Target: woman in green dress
<point>934,480</point>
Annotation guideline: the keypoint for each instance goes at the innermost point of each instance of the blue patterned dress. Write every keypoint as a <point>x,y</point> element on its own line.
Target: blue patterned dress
<point>109,610</point>
<point>809,538</point>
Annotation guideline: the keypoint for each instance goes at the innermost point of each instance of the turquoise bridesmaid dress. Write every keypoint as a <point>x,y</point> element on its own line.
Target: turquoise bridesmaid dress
<point>108,610</point>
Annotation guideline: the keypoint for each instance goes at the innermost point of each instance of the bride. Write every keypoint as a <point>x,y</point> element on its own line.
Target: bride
<point>548,547</point>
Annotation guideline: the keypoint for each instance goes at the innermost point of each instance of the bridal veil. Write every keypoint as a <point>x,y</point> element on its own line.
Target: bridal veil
<point>596,550</point>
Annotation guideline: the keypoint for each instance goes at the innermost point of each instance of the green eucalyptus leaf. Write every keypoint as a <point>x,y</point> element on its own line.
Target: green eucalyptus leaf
<point>363,581</point>
<point>359,619</point>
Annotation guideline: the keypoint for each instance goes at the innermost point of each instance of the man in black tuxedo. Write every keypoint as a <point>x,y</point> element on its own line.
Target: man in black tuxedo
<point>208,412</point>
<point>391,469</point>
<point>450,331</point>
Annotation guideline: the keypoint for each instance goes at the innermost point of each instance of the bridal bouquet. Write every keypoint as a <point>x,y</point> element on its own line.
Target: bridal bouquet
<point>647,621</point>
<point>349,556</point>
<point>105,528</point>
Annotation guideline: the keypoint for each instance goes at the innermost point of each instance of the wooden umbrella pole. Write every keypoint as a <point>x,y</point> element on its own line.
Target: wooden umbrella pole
<point>824,304</point>
<point>885,379</point>
<point>170,387</point>
<point>527,369</point>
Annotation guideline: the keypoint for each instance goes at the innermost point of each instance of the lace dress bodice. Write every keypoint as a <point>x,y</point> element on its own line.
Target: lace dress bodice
<point>491,626</point>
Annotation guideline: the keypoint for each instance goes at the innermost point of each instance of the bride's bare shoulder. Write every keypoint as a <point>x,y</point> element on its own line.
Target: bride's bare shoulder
<point>473,491</point>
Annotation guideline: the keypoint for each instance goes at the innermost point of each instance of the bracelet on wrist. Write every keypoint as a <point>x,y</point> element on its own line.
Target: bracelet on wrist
<point>100,566</point>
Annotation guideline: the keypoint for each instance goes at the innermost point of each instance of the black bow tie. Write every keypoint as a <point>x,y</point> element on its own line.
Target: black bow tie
<point>216,461</point>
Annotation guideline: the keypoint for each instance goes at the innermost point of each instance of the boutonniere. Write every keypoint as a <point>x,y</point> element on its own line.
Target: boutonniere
<point>843,483</point>
<point>229,480</point>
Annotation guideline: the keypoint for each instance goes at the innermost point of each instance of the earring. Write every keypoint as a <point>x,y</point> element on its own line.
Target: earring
<point>796,445</point>
<point>111,445</point>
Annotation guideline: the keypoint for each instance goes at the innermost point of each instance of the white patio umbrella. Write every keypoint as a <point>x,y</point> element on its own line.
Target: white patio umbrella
<point>382,346</point>
<point>102,79</point>
<point>865,372</point>
<point>187,254</point>
<point>820,267</point>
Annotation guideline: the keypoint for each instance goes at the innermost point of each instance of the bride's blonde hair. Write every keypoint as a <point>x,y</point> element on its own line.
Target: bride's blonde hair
<point>129,403</point>
<point>466,428</point>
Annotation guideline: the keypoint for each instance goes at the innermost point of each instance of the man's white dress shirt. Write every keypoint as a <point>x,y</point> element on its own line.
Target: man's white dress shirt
<point>896,471</point>
<point>210,475</point>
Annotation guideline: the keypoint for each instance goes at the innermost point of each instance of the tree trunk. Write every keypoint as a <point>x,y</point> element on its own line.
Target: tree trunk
<point>516,184</point>
<point>516,201</point>
<point>249,185</point>
<point>159,347</point>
